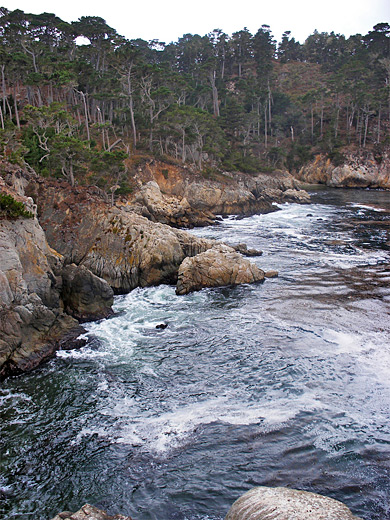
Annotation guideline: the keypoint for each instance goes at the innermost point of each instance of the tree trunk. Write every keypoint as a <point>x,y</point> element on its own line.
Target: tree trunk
<point>16,110</point>
<point>215,93</point>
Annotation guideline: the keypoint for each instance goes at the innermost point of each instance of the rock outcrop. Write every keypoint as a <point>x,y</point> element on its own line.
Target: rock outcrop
<point>33,323</point>
<point>31,320</point>
<point>264,503</point>
<point>219,266</point>
<point>88,512</point>
<point>116,244</point>
<point>356,172</point>
<point>86,297</point>
<point>174,196</point>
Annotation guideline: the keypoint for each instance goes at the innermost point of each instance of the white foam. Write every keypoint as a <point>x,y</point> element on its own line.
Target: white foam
<point>369,207</point>
<point>173,428</point>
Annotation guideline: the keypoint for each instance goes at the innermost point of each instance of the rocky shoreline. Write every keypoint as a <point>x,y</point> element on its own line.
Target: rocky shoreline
<point>63,265</point>
<point>356,171</point>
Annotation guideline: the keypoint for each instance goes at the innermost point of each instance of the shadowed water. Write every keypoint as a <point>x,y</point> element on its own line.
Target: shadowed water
<point>284,383</point>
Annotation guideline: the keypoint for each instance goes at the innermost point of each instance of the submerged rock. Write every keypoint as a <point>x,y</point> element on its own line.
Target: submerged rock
<point>88,512</point>
<point>221,265</point>
<point>264,503</point>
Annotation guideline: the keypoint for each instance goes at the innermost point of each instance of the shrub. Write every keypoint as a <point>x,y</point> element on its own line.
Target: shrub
<point>12,209</point>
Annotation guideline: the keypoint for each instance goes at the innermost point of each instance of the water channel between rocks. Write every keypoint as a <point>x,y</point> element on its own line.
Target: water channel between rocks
<point>284,383</point>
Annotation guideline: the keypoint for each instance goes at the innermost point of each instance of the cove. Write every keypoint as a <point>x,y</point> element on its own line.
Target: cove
<point>280,384</point>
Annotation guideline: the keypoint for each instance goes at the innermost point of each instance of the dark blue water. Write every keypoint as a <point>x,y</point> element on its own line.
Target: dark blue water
<point>280,384</point>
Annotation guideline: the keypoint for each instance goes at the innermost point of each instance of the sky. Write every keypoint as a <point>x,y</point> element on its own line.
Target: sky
<point>168,20</point>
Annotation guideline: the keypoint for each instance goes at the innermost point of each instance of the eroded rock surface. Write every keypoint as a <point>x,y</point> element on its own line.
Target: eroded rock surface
<point>356,172</point>
<point>86,297</point>
<point>216,267</point>
<point>33,324</point>
<point>31,319</point>
<point>264,503</point>
<point>172,195</point>
<point>88,512</point>
<point>116,244</point>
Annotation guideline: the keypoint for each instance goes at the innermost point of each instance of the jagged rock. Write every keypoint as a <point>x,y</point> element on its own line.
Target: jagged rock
<point>216,267</point>
<point>116,244</point>
<point>86,297</point>
<point>225,194</point>
<point>175,211</point>
<point>88,512</point>
<point>33,324</point>
<point>31,319</point>
<point>264,503</point>
<point>357,171</point>
<point>243,249</point>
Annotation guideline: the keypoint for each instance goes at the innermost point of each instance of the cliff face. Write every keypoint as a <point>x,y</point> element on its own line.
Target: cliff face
<point>33,324</point>
<point>356,172</point>
<point>29,297</point>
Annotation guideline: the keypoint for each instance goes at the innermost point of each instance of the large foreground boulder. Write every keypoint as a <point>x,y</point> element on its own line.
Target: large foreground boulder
<point>221,265</point>
<point>88,512</point>
<point>264,503</point>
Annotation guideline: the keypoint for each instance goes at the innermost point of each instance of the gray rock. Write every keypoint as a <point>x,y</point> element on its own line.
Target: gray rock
<point>264,503</point>
<point>86,297</point>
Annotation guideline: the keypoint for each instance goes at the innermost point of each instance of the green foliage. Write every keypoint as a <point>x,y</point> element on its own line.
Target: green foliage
<point>216,100</point>
<point>12,209</point>
<point>297,156</point>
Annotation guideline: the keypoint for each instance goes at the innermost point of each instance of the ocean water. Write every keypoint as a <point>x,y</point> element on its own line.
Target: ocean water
<point>284,383</point>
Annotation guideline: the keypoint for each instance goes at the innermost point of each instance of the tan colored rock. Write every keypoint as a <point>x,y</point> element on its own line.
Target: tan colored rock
<point>31,320</point>
<point>173,210</point>
<point>264,503</point>
<point>271,274</point>
<point>116,244</point>
<point>358,171</point>
<point>216,267</point>
<point>88,512</point>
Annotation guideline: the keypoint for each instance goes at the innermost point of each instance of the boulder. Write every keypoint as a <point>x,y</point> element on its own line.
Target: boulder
<point>264,503</point>
<point>88,512</point>
<point>221,265</point>
<point>86,297</point>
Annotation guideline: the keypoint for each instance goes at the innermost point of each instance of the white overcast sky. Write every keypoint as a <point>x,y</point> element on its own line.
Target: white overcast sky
<point>167,20</point>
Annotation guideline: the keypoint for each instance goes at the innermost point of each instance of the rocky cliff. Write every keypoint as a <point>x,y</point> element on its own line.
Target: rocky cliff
<point>33,322</point>
<point>180,198</point>
<point>356,172</point>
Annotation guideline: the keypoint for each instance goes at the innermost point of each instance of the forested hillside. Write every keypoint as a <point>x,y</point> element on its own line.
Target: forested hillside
<point>92,108</point>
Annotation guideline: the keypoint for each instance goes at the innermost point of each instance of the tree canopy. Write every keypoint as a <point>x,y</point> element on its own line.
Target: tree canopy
<point>239,102</point>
